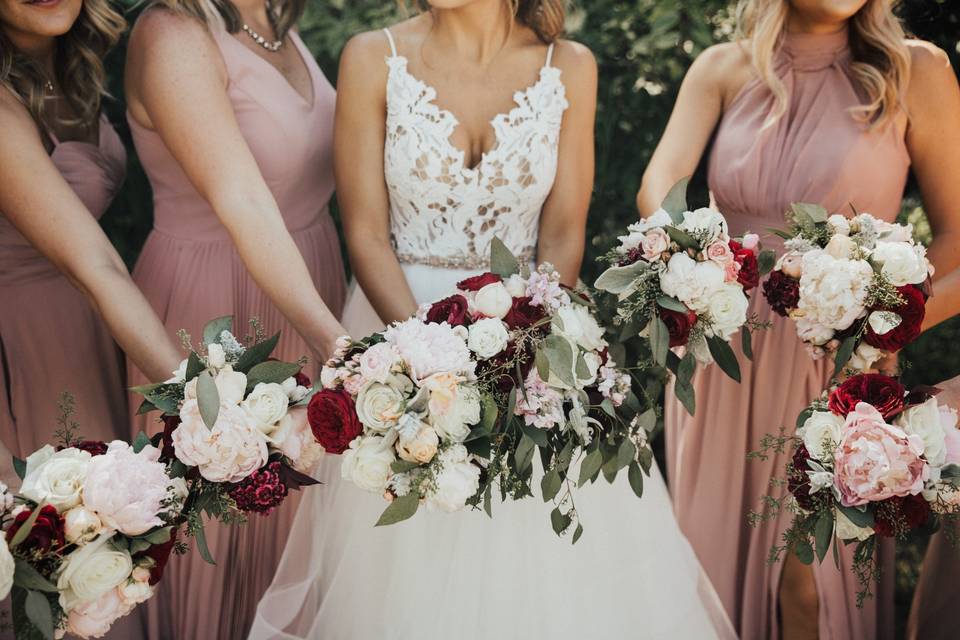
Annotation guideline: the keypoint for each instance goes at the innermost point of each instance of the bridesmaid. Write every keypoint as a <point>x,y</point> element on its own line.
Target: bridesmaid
<point>63,287</point>
<point>232,120</point>
<point>825,102</point>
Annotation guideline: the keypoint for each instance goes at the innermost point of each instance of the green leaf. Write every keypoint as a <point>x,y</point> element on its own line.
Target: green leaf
<point>635,476</point>
<point>37,608</point>
<point>208,399</point>
<point>137,545</point>
<point>177,469</point>
<point>823,534</point>
<point>607,407</point>
<point>26,527</point>
<point>402,508</point>
<point>140,442</point>
<point>621,281</point>
<point>630,329</point>
<point>146,389</point>
<point>676,201</point>
<point>211,332</point>
<point>858,517</point>
<point>272,371</point>
<point>539,436</point>
<point>488,500</point>
<point>814,212</point>
<point>746,343</point>
<point>687,397</point>
<point>511,404</point>
<point>490,412</point>
<point>844,353</point>
<point>560,355</point>
<point>766,261</point>
<point>524,454</point>
<point>257,353</point>
<point>194,366</point>
<point>542,363</point>
<point>146,407</point>
<point>402,466</point>
<point>669,302</point>
<point>682,238</point>
<point>159,536</point>
<point>502,261</point>
<point>27,577</point>
<point>804,552</point>
<point>200,535</point>
<point>590,466</point>
<point>626,453</point>
<point>560,521</point>
<point>804,416</point>
<point>686,369</point>
<point>577,533</point>
<point>724,356</point>
<point>648,420</point>
<point>550,484</point>
<point>20,467</point>
<point>659,340</point>
<point>480,447</point>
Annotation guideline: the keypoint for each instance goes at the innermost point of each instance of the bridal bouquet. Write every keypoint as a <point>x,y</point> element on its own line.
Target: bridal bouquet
<point>871,459</point>
<point>235,428</point>
<point>437,409</point>
<point>681,278</point>
<point>88,536</point>
<point>854,287</point>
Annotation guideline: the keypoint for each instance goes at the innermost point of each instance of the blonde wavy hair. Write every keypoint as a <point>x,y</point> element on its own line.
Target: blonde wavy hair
<point>284,13</point>
<point>547,18</point>
<point>880,59</point>
<point>80,74</point>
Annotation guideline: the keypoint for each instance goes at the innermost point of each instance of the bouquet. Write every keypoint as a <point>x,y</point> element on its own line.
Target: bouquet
<point>235,427</point>
<point>680,278</point>
<point>870,459</point>
<point>89,534</point>
<point>854,287</point>
<point>440,408</point>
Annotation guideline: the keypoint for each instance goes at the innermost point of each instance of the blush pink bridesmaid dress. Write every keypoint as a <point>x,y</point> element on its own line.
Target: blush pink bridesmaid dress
<point>191,272</point>
<point>817,152</point>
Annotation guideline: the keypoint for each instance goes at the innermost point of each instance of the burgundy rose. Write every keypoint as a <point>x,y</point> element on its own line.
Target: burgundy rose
<point>782,292</point>
<point>522,314</point>
<point>303,379</point>
<point>333,419</point>
<point>678,324</point>
<point>452,310</point>
<point>898,516</point>
<point>749,274</point>
<point>160,554</point>
<point>478,282</point>
<point>260,492</point>
<point>886,394</point>
<point>911,315</point>
<point>46,534</point>
<point>798,482</point>
<point>93,447</point>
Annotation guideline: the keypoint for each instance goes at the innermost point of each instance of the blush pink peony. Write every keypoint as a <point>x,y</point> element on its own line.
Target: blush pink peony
<point>294,439</point>
<point>93,619</point>
<point>229,452</point>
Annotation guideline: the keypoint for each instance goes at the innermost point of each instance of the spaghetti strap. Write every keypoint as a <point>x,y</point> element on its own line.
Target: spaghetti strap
<point>393,45</point>
<point>549,54</point>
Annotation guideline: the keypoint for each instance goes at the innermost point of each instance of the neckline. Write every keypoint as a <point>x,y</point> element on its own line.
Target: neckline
<point>102,124</point>
<point>430,97</point>
<point>812,51</point>
<point>310,102</point>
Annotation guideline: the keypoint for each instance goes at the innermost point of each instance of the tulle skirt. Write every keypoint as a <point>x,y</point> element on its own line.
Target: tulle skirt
<point>467,576</point>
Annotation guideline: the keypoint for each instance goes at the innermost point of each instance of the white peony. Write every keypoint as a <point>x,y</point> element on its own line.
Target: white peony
<point>81,525</point>
<point>229,452</point>
<point>379,361</point>
<point>367,463</point>
<point>91,571</point>
<point>690,281</point>
<point>55,477</point>
<point>706,223</point>
<point>431,348</point>
<point>216,356</point>
<point>419,447</point>
<point>379,406</point>
<point>924,420</point>
<point>457,481</point>
<point>93,619</point>
<point>901,263</point>
<point>578,324</point>
<point>267,403</point>
<point>7,569</point>
<point>838,224</point>
<point>818,431</point>
<point>833,293</point>
<point>464,411</point>
<point>846,530</point>
<point>294,439</point>
<point>493,300</point>
<point>488,337</point>
<point>727,310</point>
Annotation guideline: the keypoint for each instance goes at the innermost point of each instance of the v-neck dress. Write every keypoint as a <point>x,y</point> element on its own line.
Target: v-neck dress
<point>191,272</point>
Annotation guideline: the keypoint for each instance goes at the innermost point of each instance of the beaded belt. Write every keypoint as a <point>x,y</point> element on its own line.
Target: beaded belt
<point>467,263</point>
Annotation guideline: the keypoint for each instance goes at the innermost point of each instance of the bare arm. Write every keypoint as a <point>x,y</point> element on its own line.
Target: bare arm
<point>42,206</point>
<point>712,81</point>
<point>177,84</point>
<point>564,217</point>
<point>933,139</point>
<point>361,190</point>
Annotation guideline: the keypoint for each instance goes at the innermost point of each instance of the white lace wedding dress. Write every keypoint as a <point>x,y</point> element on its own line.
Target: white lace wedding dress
<point>465,576</point>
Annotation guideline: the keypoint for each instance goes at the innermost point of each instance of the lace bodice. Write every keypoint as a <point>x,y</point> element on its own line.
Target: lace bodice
<point>445,214</point>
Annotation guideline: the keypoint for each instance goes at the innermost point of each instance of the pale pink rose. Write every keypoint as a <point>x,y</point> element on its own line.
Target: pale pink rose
<point>294,439</point>
<point>731,271</point>
<point>719,252</point>
<point>93,619</point>
<point>229,452</point>
<point>133,505</point>
<point>654,243</point>
<point>443,392</point>
<point>876,461</point>
<point>948,420</point>
<point>377,362</point>
<point>353,383</point>
<point>750,242</point>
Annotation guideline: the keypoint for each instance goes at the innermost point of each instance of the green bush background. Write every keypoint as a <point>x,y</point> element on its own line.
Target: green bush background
<point>643,48</point>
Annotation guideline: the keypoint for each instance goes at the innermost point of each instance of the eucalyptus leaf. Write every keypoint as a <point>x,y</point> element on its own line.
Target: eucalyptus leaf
<point>844,353</point>
<point>524,454</point>
<point>159,536</point>
<point>37,608</point>
<point>502,261</point>
<point>550,484</point>
<point>194,366</point>
<point>402,466</point>
<point>20,467</point>
<point>621,281</point>
<point>481,447</point>
<point>804,552</point>
<point>560,355</point>
<point>271,371</point>
<point>140,442</point>
<point>635,476</point>
<point>257,353</point>
<point>647,420</point>
<point>746,343</point>
<point>577,533</point>
<point>539,436</point>
<point>26,527</point>
<point>208,399</point>
<point>724,356</point>
<point>823,534</point>
<point>27,577</point>
<point>682,238</point>
<point>659,340</point>
<point>213,329</point>
<point>688,365</point>
<point>542,363</point>
<point>490,412</point>
<point>814,212</point>
<point>402,508</point>
<point>607,407</point>
<point>803,417</point>
<point>145,407</point>
<point>676,201</point>
<point>669,302</point>
<point>200,535</point>
<point>590,466</point>
<point>687,396</point>
<point>856,516</point>
<point>488,500</point>
<point>559,520</point>
<point>766,261</point>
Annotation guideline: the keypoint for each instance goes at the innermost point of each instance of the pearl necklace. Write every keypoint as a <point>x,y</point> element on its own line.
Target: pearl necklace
<point>271,46</point>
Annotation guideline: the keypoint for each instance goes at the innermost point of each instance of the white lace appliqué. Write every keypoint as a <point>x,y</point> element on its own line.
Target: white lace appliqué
<point>445,214</point>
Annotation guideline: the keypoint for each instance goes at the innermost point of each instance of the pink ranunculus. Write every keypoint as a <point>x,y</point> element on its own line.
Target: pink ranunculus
<point>654,243</point>
<point>93,619</point>
<point>948,420</point>
<point>876,461</point>
<point>133,505</point>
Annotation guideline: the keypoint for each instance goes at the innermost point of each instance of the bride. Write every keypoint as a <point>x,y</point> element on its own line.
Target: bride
<point>469,121</point>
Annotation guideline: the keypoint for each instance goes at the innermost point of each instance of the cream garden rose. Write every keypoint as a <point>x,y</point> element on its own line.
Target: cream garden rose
<point>93,619</point>
<point>367,463</point>
<point>727,310</point>
<point>454,425</point>
<point>379,406</point>
<point>267,403</point>
<point>420,447</point>
<point>821,432</point>
<point>91,571</point>
<point>488,337</point>
<point>56,477</point>
<point>81,525</point>
<point>456,482</point>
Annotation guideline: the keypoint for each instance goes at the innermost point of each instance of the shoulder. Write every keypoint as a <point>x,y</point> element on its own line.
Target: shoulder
<point>366,48</point>
<point>375,45</point>
<point>721,60</point>
<point>164,35</point>
<point>12,110</point>
<point>574,58</point>
<point>932,78</point>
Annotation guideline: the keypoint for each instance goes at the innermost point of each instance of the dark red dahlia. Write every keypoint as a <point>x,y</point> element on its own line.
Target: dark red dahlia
<point>782,292</point>
<point>886,394</point>
<point>678,324</point>
<point>452,310</point>
<point>93,447</point>
<point>46,534</point>
<point>478,282</point>
<point>260,492</point>
<point>522,314</point>
<point>911,314</point>
<point>333,419</point>
<point>798,482</point>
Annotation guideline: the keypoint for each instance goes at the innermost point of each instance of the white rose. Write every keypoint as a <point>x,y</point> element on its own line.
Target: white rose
<point>7,569</point>
<point>378,362</point>
<point>454,425</point>
<point>488,337</point>
<point>379,406</point>
<point>133,592</point>
<point>727,310</point>
<point>579,325</point>
<point>367,463</point>
<point>846,530</point>
<point>864,357</point>
<point>924,420</point>
<point>421,447</point>
<point>229,452</point>
<point>180,374</point>
<point>231,385</point>
<point>819,429</point>
<point>81,525</point>
<point>516,286</point>
<point>94,619</point>
<point>493,300</point>
<point>295,392</point>
<point>216,356</point>
<point>705,222</point>
<point>690,282</point>
<point>833,293</point>
<point>457,481</point>
<point>267,403</point>
<point>884,321</point>
<point>901,263</point>
<point>838,224</point>
<point>56,477</point>
<point>91,571</point>
<point>840,247</point>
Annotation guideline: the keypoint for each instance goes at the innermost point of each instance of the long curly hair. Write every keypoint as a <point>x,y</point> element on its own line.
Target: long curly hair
<point>880,59</point>
<point>80,75</point>
<point>284,13</point>
<point>545,17</point>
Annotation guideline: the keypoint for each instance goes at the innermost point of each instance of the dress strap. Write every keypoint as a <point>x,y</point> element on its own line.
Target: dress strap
<point>393,45</point>
<point>549,54</point>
